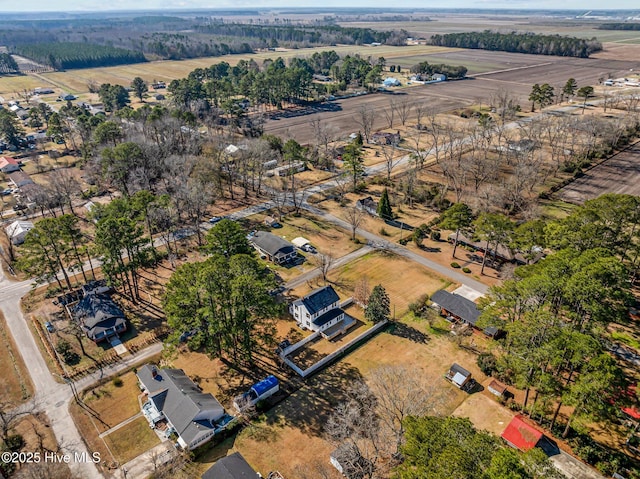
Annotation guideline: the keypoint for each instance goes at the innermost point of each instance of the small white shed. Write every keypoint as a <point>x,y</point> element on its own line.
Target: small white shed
<point>17,230</point>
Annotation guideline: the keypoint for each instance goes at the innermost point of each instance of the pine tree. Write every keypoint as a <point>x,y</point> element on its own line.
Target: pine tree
<point>384,206</point>
<point>378,308</point>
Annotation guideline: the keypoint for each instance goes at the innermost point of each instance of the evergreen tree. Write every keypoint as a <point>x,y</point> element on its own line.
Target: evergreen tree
<point>570,87</point>
<point>384,207</point>
<point>139,87</point>
<point>353,162</point>
<point>228,238</point>
<point>378,307</point>
<point>456,218</point>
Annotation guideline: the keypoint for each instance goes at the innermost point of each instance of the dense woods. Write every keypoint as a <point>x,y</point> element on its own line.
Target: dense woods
<point>619,26</point>
<point>452,72</point>
<point>520,43</point>
<point>274,34</point>
<point>77,55</point>
<point>7,64</point>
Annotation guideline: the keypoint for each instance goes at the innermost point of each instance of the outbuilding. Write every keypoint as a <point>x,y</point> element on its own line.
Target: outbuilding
<point>521,435</point>
<point>258,392</point>
<point>458,376</point>
<point>17,231</point>
<point>233,466</point>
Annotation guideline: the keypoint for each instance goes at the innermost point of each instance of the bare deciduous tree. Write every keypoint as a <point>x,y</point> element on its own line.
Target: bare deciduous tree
<point>324,262</point>
<point>365,117</point>
<point>390,160</point>
<point>354,216</point>
<point>402,392</point>
<point>354,427</point>
<point>403,110</point>
<point>361,292</point>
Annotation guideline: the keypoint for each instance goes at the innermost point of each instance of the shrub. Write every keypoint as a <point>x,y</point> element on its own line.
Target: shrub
<point>487,363</point>
<point>466,270</point>
<point>435,235</point>
<point>65,350</point>
<point>383,231</point>
<point>117,382</point>
<point>455,265</point>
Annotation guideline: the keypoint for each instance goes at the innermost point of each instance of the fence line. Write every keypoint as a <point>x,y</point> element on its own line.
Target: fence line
<point>330,357</point>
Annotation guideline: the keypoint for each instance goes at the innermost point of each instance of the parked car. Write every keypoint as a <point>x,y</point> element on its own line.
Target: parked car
<point>215,219</point>
<point>6,192</point>
<point>309,249</point>
<point>50,327</point>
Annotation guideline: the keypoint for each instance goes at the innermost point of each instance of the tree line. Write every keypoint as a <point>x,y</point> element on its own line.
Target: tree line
<point>452,72</point>
<point>532,43</point>
<point>298,34</point>
<point>7,64</point>
<point>619,26</point>
<point>77,55</point>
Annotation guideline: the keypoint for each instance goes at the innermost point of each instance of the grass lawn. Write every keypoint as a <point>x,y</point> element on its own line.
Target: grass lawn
<point>15,385</point>
<point>132,440</point>
<point>403,279</point>
<point>114,404</point>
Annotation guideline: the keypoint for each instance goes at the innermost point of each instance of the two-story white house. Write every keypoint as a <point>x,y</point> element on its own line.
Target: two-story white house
<point>319,310</point>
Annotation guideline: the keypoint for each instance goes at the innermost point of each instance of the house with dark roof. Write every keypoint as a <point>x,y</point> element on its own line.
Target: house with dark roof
<point>319,310</point>
<point>456,307</point>
<point>195,417</point>
<point>19,178</point>
<point>521,435</point>
<point>8,164</point>
<point>368,204</point>
<point>99,316</point>
<point>233,466</point>
<point>273,247</point>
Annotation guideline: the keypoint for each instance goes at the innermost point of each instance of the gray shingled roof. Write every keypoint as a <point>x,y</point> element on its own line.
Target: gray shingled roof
<point>328,316</point>
<point>457,305</point>
<point>180,399</point>
<point>320,299</point>
<point>97,308</point>
<point>233,466</point>
<point>271,243</point>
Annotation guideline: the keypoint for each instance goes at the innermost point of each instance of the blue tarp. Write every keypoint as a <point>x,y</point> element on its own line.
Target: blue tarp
<point>265,385</point>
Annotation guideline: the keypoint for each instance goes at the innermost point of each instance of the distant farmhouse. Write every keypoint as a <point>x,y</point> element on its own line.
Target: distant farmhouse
<point>176,402</point>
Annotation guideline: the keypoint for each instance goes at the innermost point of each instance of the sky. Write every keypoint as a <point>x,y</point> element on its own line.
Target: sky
<point>101,5</point>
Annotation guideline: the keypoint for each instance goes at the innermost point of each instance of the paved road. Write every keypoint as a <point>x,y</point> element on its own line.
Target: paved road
<point>49,395</point>
<point>379,241</point>
<point>309,275</point>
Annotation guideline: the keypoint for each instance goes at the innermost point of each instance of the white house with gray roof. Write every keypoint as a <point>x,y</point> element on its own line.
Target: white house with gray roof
<point>195,417</point>
<point>319,310</point>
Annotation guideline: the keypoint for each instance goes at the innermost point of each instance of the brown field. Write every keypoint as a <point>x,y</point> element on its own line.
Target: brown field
<point>495,72</point>
<point>15,383</point>
<point>619,174</point>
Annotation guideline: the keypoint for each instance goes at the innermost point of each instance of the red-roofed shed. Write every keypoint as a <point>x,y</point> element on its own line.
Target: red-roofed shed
<point>520,435</point>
